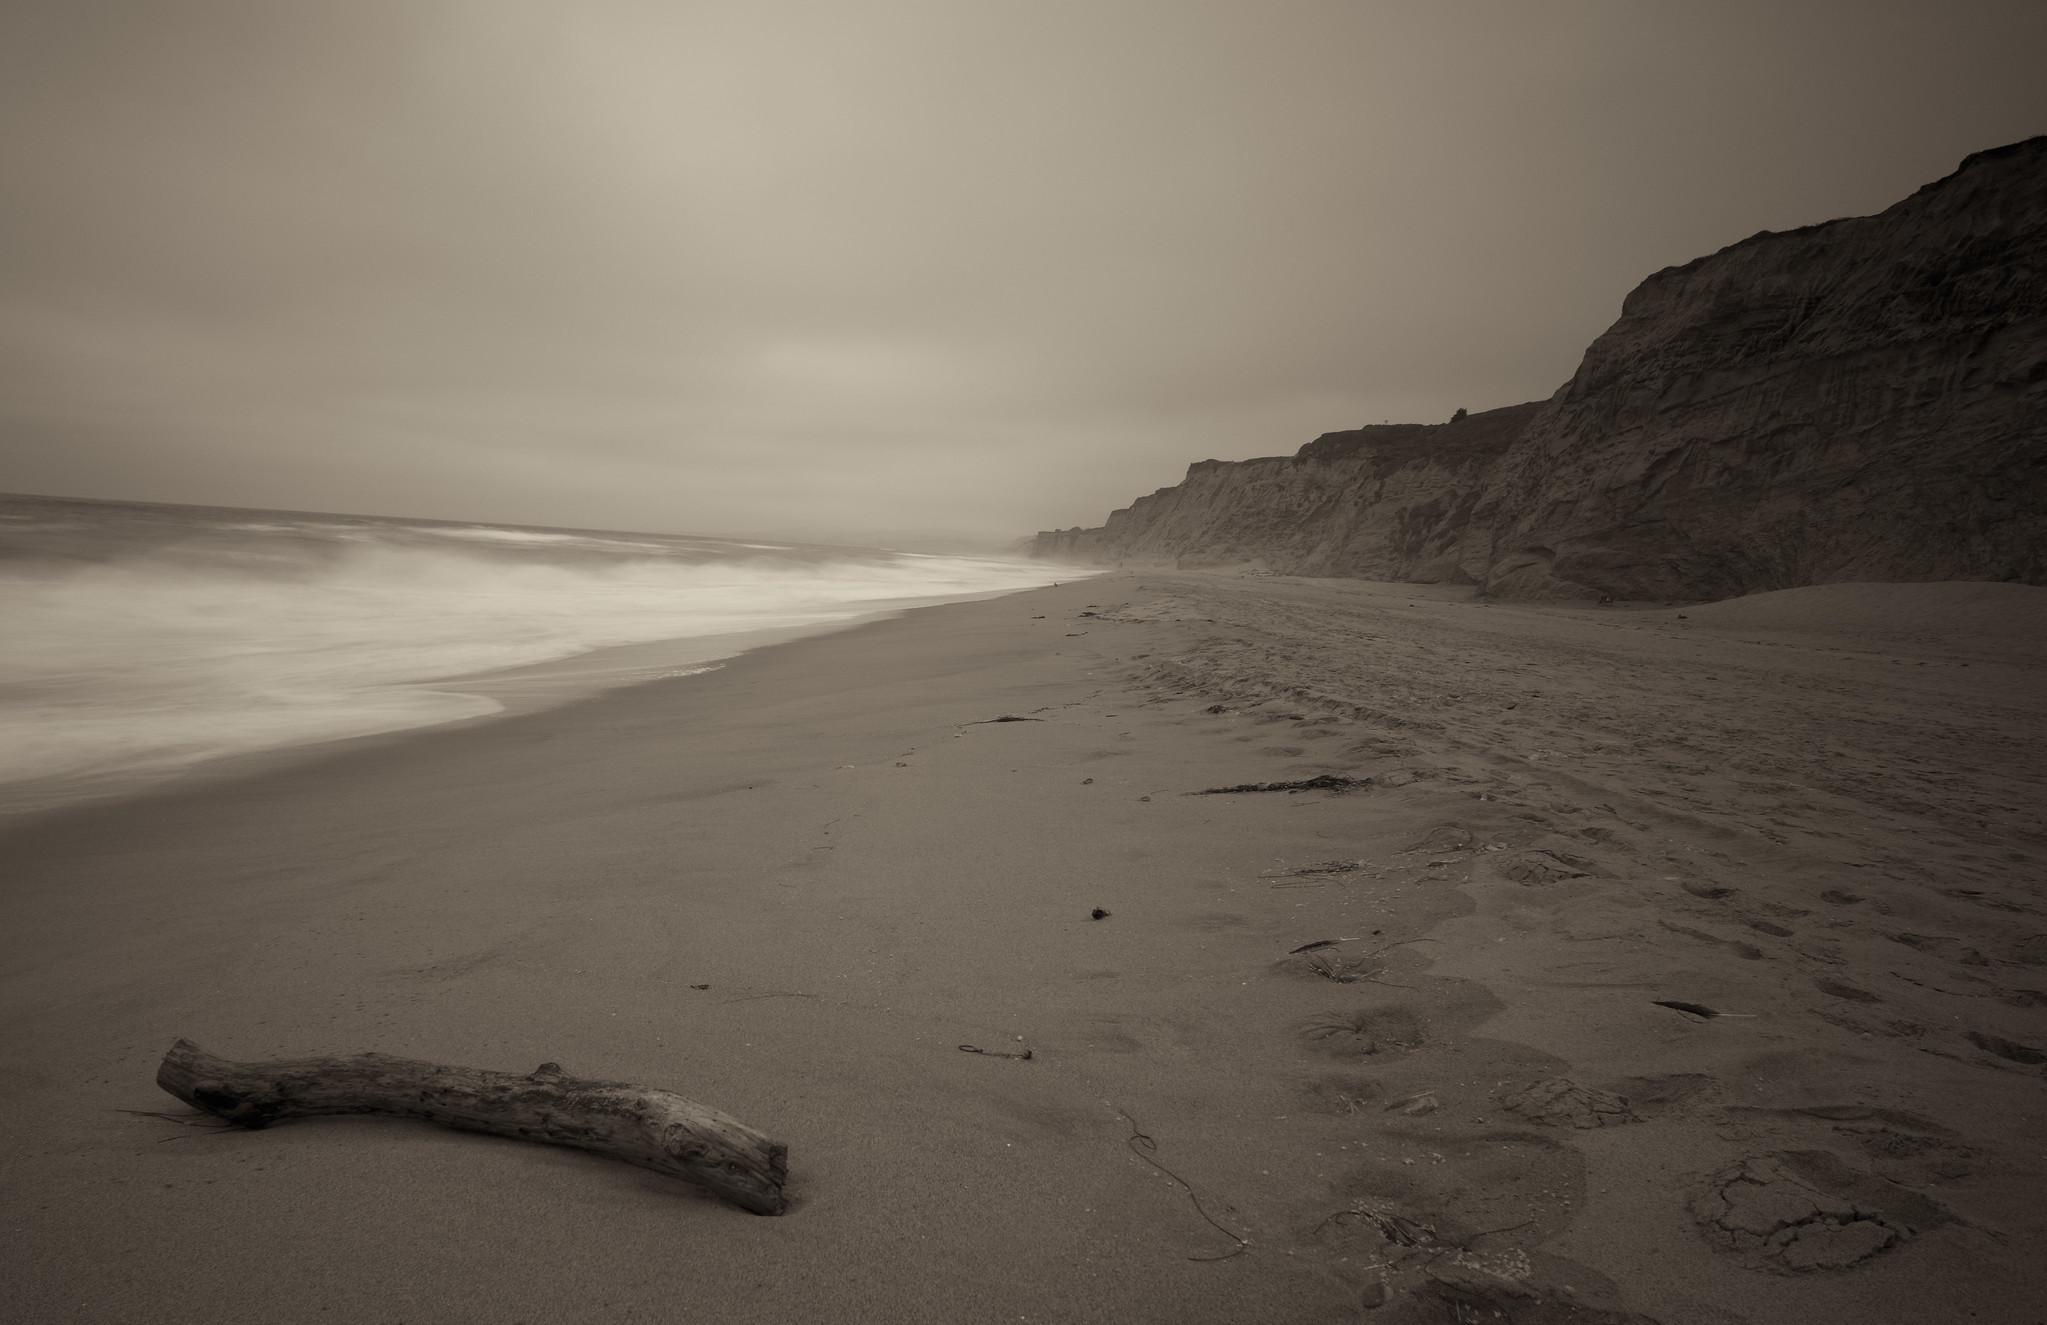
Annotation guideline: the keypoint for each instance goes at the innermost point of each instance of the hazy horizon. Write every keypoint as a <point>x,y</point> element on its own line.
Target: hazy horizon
<point>965,546</point>
<point>903,274</point>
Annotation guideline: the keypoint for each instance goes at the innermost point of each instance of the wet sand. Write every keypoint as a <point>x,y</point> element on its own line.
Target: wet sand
<point>1820,821</point>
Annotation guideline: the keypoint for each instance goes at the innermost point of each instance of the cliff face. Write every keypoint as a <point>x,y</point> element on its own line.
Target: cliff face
<point>1390,502</point>
<point>1860,400</point>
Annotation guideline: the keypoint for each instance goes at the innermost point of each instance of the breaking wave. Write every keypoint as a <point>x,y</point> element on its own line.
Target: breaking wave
<point>146,645</point>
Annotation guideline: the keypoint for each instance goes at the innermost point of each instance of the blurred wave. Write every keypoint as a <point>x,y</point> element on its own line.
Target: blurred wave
<point>143,639</point>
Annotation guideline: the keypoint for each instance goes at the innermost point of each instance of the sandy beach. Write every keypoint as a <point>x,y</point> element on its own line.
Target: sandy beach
<point>1680,965</point>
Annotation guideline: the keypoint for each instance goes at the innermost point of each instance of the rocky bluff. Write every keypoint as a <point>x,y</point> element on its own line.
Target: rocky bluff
<point>1864,399</point>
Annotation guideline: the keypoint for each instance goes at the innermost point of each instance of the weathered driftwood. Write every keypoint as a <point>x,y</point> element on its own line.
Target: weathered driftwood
<point>651,1128</point>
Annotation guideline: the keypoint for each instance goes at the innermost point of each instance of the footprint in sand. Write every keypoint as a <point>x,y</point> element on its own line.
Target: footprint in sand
<point>2009,1050</point>
<point>2031,950</point>
<point>1472,1292</point>
<point>1803,1211</point>
<point>1562,1102</point>
<point>1327,964</point>
<point>1442,840</point>
<point>1901,1147</point>
<point>1941,945</point>
<point>1432,1187</point>
<point>1746,951</point>
<point>1345,1096</point>
<point>1651,1095</point>
<point>1536,868</point>
<point>1995,901</point>
<point>1912,1158</point>
<point>1364,1033</point>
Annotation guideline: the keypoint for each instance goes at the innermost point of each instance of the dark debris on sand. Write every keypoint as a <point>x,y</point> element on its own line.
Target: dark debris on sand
<point>1320,782</point>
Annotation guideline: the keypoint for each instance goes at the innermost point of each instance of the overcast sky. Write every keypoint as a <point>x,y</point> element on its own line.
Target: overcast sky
<point>876,271</point>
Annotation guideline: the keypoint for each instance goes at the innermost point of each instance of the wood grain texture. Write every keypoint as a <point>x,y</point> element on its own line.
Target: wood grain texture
<point>654,1129</point>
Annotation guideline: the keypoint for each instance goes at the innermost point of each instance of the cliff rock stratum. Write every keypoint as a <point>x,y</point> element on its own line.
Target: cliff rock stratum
<point>1864,399</point>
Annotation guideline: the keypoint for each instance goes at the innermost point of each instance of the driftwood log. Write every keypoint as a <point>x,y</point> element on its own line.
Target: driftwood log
<point>651,1128</point>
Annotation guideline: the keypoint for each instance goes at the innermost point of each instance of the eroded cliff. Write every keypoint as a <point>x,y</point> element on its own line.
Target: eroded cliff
<point>1390,502</point>
<point>1860,400</point>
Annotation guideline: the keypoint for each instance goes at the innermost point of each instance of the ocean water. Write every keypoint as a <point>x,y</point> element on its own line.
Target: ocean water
<point>138,640</point>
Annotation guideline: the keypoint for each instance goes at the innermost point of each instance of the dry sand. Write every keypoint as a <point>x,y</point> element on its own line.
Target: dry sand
<point>1819,815</point>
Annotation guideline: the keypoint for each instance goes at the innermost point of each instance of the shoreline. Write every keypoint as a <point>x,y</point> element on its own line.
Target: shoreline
<point>867,873</point>
<point>518,690</point>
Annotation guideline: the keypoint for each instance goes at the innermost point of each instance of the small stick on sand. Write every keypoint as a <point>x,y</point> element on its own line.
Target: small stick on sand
<point>651,1128</point>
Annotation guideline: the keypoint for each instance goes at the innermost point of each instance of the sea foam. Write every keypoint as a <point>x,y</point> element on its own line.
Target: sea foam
<point>162,637</point>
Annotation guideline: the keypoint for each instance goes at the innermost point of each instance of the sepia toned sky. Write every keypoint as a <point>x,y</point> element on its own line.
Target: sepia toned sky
<point>897,271</point>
